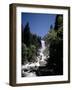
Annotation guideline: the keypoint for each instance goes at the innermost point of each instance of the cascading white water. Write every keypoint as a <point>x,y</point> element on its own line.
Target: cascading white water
<point>43,44</point>
<point>43,57</point>
<point>40,62</point>
<point>42,50</point>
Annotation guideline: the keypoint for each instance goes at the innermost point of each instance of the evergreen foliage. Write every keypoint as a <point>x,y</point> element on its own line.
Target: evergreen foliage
<point>54,43</point>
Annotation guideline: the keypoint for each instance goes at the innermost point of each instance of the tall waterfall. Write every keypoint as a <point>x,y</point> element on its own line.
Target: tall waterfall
<point>42,50</point>
<point>43,44</point>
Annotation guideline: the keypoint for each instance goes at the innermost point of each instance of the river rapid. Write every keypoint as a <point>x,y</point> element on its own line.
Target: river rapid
<point>29,70</point>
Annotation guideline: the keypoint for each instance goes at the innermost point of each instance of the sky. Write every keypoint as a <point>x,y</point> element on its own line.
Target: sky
<point>39,23</point>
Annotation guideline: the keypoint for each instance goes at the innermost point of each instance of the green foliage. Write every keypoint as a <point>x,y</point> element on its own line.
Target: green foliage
<point>51,36</point>
<point>30,39</point>
<point>32,53</point>
<point>28,54</point>
<point>58,22</point>
<point>33,48</point>
<point>36,40</point>
<point>54,43</point>
<point>24,54</point>
<point>26,35</point>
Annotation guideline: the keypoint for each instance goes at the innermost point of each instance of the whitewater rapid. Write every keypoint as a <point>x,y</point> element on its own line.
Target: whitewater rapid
<point>40,62</point>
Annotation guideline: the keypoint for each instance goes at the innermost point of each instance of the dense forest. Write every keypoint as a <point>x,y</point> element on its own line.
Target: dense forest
<point>54,43</point>
<point>31,43</point>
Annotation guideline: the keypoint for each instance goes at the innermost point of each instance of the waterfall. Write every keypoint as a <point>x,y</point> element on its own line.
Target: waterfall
<point>42,56</point>
<point>43,44</point>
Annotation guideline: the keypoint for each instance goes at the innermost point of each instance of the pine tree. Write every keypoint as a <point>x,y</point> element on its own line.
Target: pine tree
<point>26,35</point>
<point>58,22</point>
